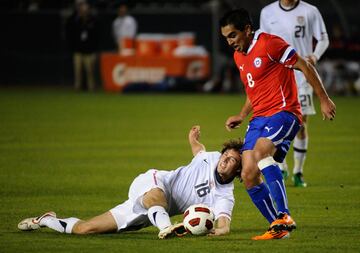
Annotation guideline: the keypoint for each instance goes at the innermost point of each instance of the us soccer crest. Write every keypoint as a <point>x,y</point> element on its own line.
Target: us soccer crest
<point>300,20</point>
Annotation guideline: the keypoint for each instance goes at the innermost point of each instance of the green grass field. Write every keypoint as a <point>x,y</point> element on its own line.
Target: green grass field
<point>77,153</point>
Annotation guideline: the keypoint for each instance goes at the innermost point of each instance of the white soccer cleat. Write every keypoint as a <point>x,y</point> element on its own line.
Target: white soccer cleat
<point>173,230</point>
<point>33,223</point>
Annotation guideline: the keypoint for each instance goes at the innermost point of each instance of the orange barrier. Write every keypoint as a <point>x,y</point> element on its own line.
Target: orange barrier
<point>119,71</point>
<point>168,44</point>
<point>127,46</point>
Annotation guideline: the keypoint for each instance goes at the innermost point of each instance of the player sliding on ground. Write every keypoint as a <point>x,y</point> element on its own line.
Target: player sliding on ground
<point>156,195</point>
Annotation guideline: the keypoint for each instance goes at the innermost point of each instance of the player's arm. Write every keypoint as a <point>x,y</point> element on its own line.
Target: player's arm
<point>320,49</point>
<point>222,226</point>
<point>328,107</point>
<point>194,136</point>
<point>234,121</point>
<point>320,34</point>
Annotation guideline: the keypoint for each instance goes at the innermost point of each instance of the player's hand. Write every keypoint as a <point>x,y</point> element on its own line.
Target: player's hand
<point>328,109</point>
<point>312,59</point>
<point>194,133</point>
<point>233,122</point>
<point>216,232</point>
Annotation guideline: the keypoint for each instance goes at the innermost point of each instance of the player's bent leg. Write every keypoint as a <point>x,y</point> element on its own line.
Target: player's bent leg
<point>154,197</point>
<point>275,182</point>
<point>256,188</point>
<point>156,204</point>
<point>250,173</point>
<point>104,223</point>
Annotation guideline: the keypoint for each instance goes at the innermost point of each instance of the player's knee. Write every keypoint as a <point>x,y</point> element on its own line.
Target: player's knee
<point>250,177</point>
<point>154,197</point>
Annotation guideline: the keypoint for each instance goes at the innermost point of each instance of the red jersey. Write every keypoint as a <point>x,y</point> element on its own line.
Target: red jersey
<point>267,74</point>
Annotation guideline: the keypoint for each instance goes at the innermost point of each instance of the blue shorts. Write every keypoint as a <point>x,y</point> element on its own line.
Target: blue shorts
<point>280,128</point>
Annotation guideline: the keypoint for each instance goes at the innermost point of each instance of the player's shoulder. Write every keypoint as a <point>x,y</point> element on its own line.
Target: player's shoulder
<point>308,7</point>
<point>270,7</point>
<point>264,37</point>
<point>212,154</point>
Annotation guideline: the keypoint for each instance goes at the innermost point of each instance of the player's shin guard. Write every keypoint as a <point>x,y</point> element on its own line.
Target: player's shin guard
<point>261,197</point>
<point>60,225</point>
<point>159,217</point>
<point>274,180</point>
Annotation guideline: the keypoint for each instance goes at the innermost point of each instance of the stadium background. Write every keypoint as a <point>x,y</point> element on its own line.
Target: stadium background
<point>77,153</point>
<point>34,51</point>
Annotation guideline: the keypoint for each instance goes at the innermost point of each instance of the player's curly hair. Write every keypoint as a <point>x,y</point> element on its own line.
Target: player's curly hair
<point>235,144</point>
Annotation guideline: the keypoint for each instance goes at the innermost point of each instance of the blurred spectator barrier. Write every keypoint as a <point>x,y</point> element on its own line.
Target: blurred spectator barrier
<point>160,62</point>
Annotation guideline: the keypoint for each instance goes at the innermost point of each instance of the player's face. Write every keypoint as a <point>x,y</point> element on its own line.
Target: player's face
<point>238,40</point>
<point>228,164</point>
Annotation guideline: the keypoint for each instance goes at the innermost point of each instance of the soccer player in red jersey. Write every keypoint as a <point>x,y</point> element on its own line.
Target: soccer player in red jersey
<point>266,64</point>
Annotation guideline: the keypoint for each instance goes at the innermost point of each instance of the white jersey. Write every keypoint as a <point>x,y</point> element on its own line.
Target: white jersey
<point>196,183</point>
<point>124,27</point>
<point>297,26</point>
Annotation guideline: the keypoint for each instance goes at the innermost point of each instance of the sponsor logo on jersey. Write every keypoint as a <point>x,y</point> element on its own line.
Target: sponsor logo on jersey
<point>257,62</point>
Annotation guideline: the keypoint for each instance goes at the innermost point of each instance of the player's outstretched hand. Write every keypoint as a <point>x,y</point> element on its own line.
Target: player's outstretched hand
<point>194,133</point>
<point>233,122</point>
<point>328,109</point>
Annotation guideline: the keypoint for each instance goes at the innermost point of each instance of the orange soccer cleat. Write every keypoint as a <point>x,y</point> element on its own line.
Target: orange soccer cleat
<point>283,222</point>
<point>272,234</point>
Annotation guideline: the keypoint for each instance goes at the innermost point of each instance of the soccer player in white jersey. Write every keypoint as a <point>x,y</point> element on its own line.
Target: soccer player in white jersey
<point>157,194</point>
<point>298,22</point>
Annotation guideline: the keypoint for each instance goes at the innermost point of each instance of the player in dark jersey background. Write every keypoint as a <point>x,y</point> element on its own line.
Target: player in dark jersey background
<point>266,64</point>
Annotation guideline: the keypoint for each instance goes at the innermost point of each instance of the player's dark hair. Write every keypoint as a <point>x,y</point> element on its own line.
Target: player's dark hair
<point>235,144</point>
<point>239,18</point>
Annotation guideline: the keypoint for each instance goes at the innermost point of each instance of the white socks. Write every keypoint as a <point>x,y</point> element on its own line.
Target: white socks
<point>60,225</point>
<point>159,217</point>
<point>300,148</point>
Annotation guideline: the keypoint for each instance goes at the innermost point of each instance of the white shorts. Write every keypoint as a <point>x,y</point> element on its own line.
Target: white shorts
<point>305,94</point>
<point>131,215</point>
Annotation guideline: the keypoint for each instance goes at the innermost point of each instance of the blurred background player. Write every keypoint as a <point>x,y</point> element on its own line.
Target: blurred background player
<point>298,22</point>
<point>266,64</point>
<point>156,195</point>
<point>124,29</point>
<point>83,39</point>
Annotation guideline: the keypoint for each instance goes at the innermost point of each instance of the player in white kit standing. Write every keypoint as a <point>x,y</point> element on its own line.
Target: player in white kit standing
<point>298,22</point>
<point>157,195</point>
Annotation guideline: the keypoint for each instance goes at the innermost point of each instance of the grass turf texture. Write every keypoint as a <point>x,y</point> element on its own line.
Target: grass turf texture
<point>77,153</point>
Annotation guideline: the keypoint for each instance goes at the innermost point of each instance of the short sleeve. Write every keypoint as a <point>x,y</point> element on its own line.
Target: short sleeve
<point>224,200</point>
<point>278,50</point>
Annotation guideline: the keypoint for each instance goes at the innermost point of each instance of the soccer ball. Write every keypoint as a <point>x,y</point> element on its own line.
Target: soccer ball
<point>198,219</point>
